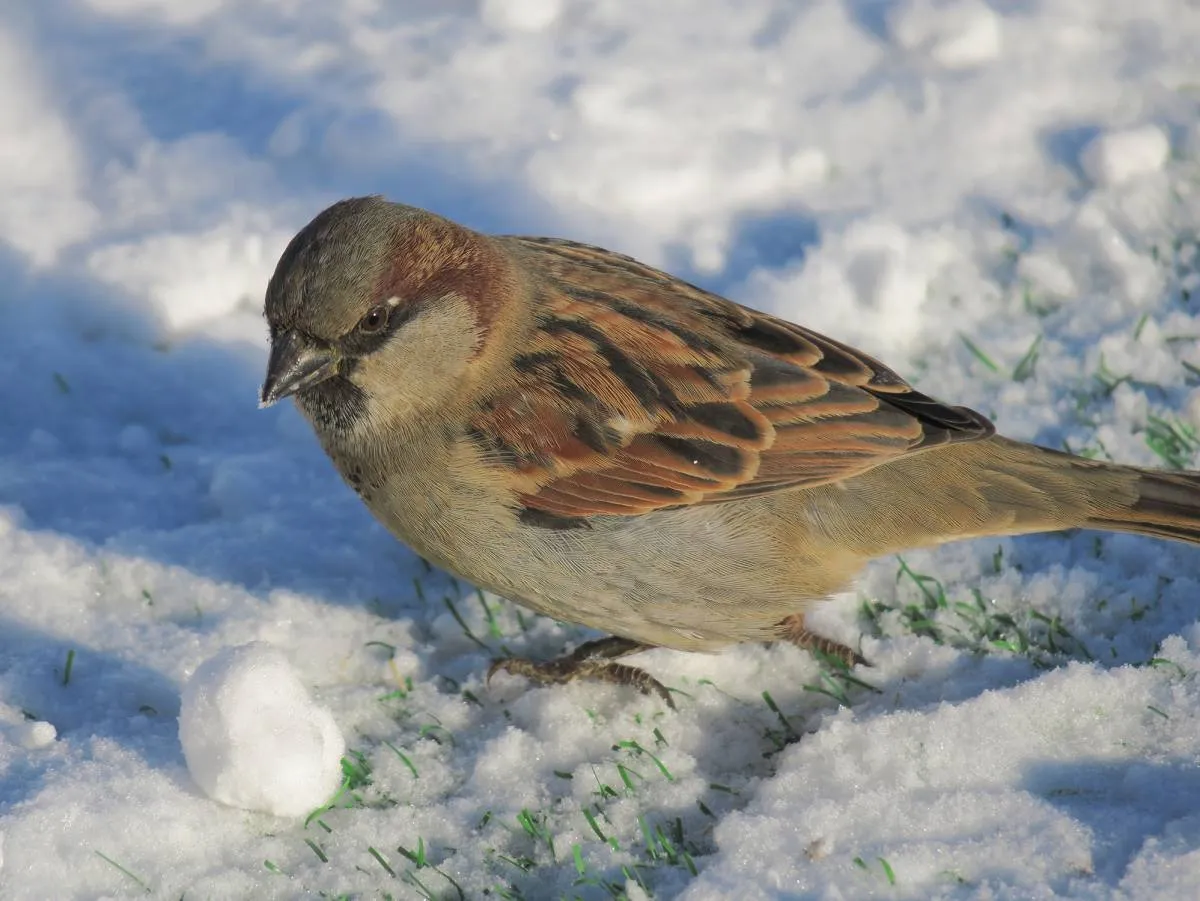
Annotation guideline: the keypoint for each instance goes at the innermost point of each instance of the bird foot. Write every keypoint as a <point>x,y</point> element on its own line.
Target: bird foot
<point>594,660</point>
<point>792,629</point>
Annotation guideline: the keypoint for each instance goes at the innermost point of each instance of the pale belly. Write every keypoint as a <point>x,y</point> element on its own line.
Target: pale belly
<point>691,579</point>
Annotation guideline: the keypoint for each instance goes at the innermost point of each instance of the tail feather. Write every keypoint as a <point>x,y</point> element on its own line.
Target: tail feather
<point>1001,487</point>
<point>1167,506</point>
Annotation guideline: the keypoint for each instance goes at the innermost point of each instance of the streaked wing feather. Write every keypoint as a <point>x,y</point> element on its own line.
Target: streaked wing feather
<point>638,391</point>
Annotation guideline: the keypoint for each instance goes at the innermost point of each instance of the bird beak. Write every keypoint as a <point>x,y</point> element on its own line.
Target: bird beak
<point>297,362</point>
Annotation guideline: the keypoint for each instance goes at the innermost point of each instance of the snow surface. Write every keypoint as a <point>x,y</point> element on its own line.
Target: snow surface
<point>999,198</point>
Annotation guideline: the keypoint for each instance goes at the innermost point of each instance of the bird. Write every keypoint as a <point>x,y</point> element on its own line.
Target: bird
<point>609,445</point>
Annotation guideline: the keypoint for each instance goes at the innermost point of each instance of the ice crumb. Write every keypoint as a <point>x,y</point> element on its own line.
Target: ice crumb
<point>954,35</point>
<point>1119,156</point>
<point>37,734</point>
<point>808,167</point>
<point>1047,274</point>
<point>252,736</point>
<point>521,15</point>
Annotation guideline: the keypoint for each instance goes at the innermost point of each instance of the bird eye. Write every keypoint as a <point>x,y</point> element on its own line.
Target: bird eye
<point>375,319</point>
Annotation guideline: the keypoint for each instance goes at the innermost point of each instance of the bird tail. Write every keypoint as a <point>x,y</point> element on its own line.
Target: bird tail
<point>1110,496</point>
<point>999,487</point>
<point>1167,505</point>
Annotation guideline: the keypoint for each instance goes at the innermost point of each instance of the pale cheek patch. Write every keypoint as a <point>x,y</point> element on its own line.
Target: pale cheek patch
<point>422,364</point>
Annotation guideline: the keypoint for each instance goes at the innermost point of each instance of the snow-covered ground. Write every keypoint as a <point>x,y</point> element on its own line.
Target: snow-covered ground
<point>1001,199</point>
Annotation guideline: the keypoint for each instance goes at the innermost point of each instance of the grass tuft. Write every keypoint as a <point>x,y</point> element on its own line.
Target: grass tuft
<point>1172,439</point>
<point>974,624</point>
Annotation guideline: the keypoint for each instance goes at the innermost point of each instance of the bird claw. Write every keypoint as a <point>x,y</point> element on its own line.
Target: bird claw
<point>793,630</point>
<point>592,661</point>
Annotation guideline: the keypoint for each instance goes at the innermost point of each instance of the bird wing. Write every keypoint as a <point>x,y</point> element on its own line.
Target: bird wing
<point>638,391</point>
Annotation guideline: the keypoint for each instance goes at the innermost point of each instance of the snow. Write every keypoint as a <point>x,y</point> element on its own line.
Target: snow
<point>959,35</point>
<point>253,738</point>
<point>998,199</point>
<point>37,734</point>
<point>1118,156</point>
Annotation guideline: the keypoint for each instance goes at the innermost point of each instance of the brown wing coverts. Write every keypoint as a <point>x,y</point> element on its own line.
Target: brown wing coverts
<point>639,391</point>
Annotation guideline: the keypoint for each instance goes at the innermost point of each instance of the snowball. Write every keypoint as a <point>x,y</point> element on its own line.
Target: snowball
<point>252,736</point>
<point>1118,156</point>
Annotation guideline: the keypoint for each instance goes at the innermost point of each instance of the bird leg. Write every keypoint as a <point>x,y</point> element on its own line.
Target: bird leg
<point>792,629</point>
<point>595,660</point>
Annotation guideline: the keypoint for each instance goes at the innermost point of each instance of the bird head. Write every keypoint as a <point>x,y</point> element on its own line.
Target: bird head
<point>379,312</point>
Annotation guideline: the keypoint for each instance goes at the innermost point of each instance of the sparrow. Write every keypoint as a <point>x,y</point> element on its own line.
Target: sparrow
<point>612,446</point>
